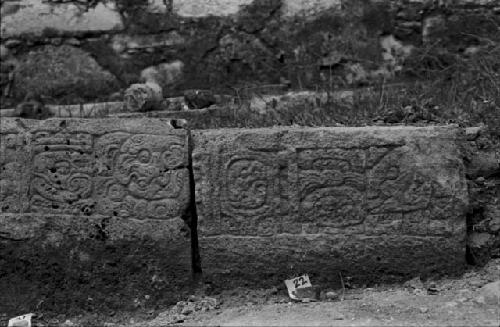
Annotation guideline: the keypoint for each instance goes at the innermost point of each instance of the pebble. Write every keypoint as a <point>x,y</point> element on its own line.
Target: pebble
<point>424,309</point>
<point>12,43</point>
<point>187,310</point>
<point>480,299</point>
<point>491,292</point>
<point>4,52</point>
<point>331,295</point>
<point>73,41</point>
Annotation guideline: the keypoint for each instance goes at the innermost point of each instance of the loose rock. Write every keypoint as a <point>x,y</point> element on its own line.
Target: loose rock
<point>491,292</point>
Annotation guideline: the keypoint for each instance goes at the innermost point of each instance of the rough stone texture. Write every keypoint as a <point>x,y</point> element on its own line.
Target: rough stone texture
<point>228,45</point>
<point>482,162</point>
<point>37,16</point>
<point>194,8</point>
<point>61,72</point>
<point>375,204</point>
<point>93,209</point>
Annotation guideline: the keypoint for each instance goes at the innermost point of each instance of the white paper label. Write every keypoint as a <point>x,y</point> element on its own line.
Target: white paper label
<point>295,283</point>
<point>21,321</point>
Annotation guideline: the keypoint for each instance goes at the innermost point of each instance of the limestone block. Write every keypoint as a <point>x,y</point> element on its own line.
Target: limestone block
<point>13,157</point>
<point>134,168</point>
<point>308,7</point>
<point>373,203</point>
<point>105,198</point>
<point>196,8</point>
<point>35,16</point>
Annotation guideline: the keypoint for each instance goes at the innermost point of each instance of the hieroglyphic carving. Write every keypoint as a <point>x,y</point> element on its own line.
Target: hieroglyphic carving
<point>395,188</point>
<point>11,167</point>
<point>249,186</point>
<point>250,192</point>
<point>332,185</point>
<point>367,200</point>
<point>62,173</point>
<point>141,175</point>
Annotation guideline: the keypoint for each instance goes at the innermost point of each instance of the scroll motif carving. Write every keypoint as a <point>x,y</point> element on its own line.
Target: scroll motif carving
<point>332,186</point>
<point>62,173</point>
<point>141,175</point>
<point>249,184</point>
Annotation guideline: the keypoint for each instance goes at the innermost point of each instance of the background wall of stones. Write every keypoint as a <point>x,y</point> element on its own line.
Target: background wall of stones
<point>86,51</point>
<point>73,51</point>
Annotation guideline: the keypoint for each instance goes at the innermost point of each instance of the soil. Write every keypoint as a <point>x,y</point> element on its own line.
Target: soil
<point>440,302</point>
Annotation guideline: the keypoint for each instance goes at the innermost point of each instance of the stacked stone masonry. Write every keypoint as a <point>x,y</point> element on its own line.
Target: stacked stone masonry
<point>371,203</point>
<point>222,44</point>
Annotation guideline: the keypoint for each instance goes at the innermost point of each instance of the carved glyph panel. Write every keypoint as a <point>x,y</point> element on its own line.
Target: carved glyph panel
<point>62,173</point>
<point>321,181</point>
<point>141,175</point>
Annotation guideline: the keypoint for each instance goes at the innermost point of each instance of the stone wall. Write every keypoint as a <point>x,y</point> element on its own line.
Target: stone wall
<point>102,213</point>
<point>374,203</point>
<point>74,51</point>
<point>94,214</point>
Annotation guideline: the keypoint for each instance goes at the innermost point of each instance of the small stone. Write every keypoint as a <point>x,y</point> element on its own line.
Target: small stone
<point>199,99</point>
<point>306,300</point>
<point>480,300</point>
<point>12,43</point>
<point>472,133</point>
<point>414,283</point>
<point>73,41</point>
<point>331,295</point>
<point>4,52</point>
<point>424,310</point>
<point>187,310</point>
<point>491,292</point>
<point>56,41</point>
<point>432,291</point>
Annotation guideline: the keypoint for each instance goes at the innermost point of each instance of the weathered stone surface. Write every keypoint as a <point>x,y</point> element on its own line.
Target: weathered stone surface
<point>196,8</point>
<point>143,97</point>
<point>385,202</point>
<point>13,156</point>
<point>36,16</point>
<point>308,7</point>
<point>100,199</point>
<point>64,71</point>
<point>68,263</point>
<point>135,43</point>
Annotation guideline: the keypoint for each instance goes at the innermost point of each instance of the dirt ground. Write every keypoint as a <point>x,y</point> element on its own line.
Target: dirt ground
<point>443,302</point>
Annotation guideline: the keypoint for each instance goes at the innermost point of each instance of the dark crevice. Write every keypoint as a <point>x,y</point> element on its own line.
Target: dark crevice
<point>193,215</point>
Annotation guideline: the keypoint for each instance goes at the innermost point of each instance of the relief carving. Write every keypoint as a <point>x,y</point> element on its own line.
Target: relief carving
<point>62,173</point>
<point>11,166</point>
<point>249,185</point>
<point>332,186</point>
<point>140,175</point>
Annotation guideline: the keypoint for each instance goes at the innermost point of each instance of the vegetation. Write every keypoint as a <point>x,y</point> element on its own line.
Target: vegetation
<point>445,88</point>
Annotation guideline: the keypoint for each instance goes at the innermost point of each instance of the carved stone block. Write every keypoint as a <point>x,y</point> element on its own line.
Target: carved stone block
<point>367,202</point>
<point>14,154</point>
<point>142,176</point>
<point>89,201</point>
